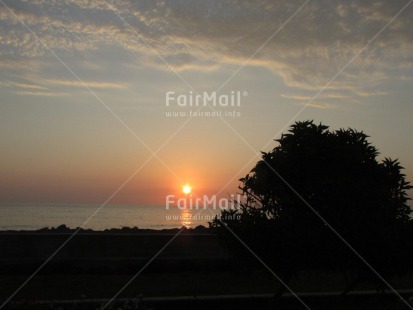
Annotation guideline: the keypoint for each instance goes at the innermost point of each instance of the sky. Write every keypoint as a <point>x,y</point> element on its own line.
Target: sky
<point>84,115</point>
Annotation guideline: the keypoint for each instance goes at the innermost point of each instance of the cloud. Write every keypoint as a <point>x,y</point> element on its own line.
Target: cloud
<point>339,95</point>
<point>41,93</point>
<point>90,84</point>
<point>296,97</point>
<point>367,93</point>
<point>319,105</point>
<point>47,87</point>
<point>204,35</point>
<point>22,85</point>
<point>308,100</point>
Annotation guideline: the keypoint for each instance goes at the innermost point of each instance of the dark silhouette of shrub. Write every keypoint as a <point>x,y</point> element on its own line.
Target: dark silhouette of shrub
<point>316,181</point>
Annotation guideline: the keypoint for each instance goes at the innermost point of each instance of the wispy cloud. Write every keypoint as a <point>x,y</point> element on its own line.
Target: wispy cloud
<point>91,84</point>
<point>327,95</point>
<point>41,93</point>
<point>201,36</point>
<point>307,100</point>
<point>319,105</point>
<point>22,85</point>
<point>374,93</point>
<point>55,87</point>
<point>296,97</point>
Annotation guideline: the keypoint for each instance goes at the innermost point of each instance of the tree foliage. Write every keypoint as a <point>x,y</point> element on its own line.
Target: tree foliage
<point>316,181</point>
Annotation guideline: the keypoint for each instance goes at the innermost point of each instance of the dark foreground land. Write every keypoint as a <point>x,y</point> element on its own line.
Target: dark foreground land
<point>194,272</point>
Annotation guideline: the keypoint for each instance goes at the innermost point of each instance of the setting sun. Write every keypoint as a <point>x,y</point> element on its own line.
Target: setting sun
<point>186,189</point>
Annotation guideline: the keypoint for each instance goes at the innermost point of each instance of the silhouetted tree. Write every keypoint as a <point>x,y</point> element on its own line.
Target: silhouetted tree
<point>316,181</point>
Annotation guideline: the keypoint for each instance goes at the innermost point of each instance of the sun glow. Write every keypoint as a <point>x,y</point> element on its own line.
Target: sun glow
<point>186,189</point>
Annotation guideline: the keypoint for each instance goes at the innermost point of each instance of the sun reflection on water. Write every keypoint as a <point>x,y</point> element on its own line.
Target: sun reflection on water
<point>186,218</point>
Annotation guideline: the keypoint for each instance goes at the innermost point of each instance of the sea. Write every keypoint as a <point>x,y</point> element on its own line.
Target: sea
<point>97,217</point>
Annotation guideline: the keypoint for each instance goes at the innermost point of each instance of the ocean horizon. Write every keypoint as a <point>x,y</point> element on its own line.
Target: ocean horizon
<point>34,216</point>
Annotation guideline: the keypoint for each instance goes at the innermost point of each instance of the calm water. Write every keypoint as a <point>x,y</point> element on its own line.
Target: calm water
<point>36,216</point>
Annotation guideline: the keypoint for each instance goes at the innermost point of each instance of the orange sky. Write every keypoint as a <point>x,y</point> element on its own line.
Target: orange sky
<point>82,100</point>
